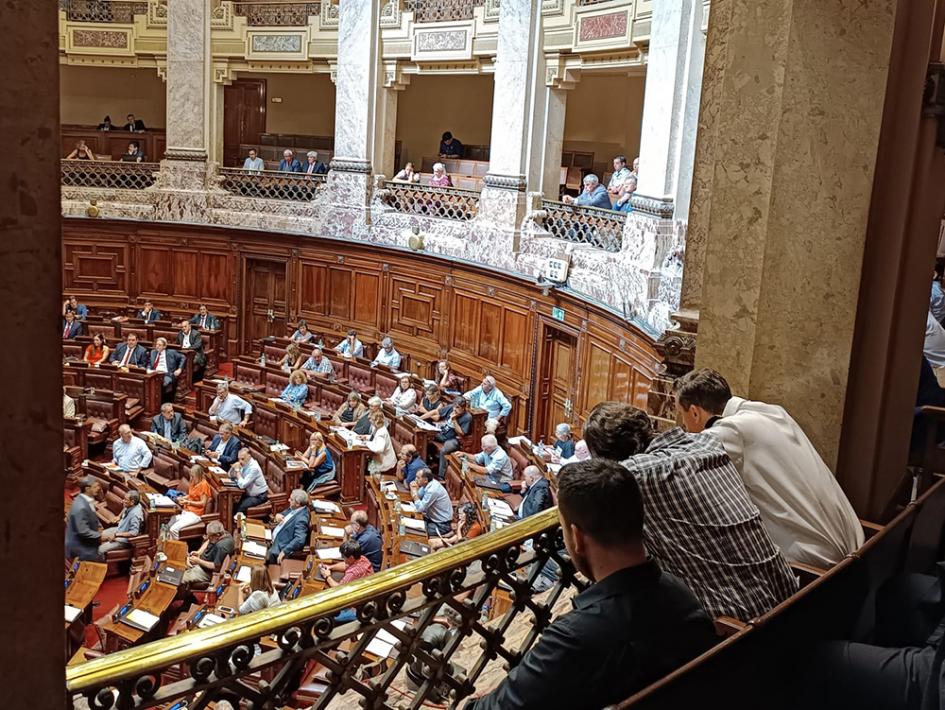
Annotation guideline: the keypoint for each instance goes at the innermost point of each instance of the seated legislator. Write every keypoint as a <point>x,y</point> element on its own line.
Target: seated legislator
<point>204,320</point>
<point>320,468</point>
<point>97,351</point>
<point>491,461</point>
<point>169,424</point>
<point>357,566</point>
<point>292,525</point>
<point>194,504</point>
<point>129,453</point>
<point>350,346</point>
<point>695,501</point>
<point>432,404</point>
<point>489,397</point>
<point>350,411</point>
<point>536,493</point>
<point>320,365</point>
<point>296,391</point>
<point>130,524</point>
<point>363,425</point>
<point>594,194</point>
<point>802,506</point>
<point>71,327</point>
<point>228,407</point>
<point>80,310</point>
<point>253,162</point>
<point>189,338</point>
<point>379,442</point>
<point>450,147</point>
<point>448,381</point>
<point>224,448</point>
<point>367,536</point>
<point>249,477</point>
<point>68,404</point>
<point>456,423</point>
<point>292,359</point>
<point>564,441</point>
<point>408,463</point>
<point>83,529</point>
<point>149,313</point>
<point>208,558</point>
<point>431,499</point>
<point>404,397</point>
<point>302,334</point>
<point>130,353</point>
<point>467,527</point>
<point>387,355</point>
<point>259,593</point>
<point>168,362</point>
<point>632,626</point>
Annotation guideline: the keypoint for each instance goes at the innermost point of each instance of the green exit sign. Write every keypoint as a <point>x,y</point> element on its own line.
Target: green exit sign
<point>557,313</point>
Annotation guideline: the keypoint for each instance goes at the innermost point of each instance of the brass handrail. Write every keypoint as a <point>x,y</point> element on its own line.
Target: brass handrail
<point>166,652</point>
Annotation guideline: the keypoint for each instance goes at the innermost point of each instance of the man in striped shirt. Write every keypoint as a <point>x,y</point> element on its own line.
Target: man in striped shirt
<point>319,364</point>
<point>700,523</point>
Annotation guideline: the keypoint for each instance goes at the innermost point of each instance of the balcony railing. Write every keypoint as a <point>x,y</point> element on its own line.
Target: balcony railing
<point>585,225</point>
<point>120,11</point>
<point>270,184</point>
<point>446,202</point>
<point>277,14</point>
<point>107,174</point>
<point>262,657</point>
<point>441,10</point>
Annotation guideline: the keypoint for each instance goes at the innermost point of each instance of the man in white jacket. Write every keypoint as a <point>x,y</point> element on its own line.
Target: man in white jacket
<point>804,509</point>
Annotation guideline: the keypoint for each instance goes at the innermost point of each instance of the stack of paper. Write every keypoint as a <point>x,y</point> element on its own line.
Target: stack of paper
<point>244,573</point>
<point>72,613</point>
<point>159,500</point>
<point>254,549</point>
<point>210,620</point>
<point>328,553</point>
<point>142,619</point>
<point>408,507</point>
<point>414,524</point>
<point>329,531</point>
<point>499,507</point>
<point>325,506</point>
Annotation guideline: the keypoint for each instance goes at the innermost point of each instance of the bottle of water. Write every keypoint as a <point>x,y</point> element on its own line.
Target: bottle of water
<point>153,503</point>
<point>401,530</point>
<point>262,359</point>
<point>163,536</point>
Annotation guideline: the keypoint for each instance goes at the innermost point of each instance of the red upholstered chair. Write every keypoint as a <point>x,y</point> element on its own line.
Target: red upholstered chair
<point>329,400</point>
<point>360,378</point>
<point>164,473</point>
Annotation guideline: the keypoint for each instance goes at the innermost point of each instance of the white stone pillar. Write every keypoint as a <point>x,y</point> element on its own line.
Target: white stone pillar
<point>547,139</point>
<point>671,109</point>
<point>385,118</point>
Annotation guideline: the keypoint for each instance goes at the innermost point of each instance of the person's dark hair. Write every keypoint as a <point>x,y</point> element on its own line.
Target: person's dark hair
<point>621,158</point>
<point>472,517</point>
<point>603,499</point>
<point>704,388</point>
<point>350,548</point>
<point>87,482</point>
<point>447,136</point>
<point>137,146</point>
<point>134,496</point>
<point>939,269</point>
<point>426,473</point>
<point>460,401</point>
<point>617,431</point>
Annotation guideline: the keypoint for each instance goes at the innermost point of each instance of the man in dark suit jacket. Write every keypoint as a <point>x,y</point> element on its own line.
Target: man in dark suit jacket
<point>225,447</point>
<point>83,530</point>
<point>172,365</point>
<point>169,424</point>
<point>291,531</point>
<point>189,338</point>
<point>289,163</point>
<point>130,353</point>
<point>70,326</point>
<point>205,320</point>
<point>149,313</point>
<point>133,124</point>
<point>536,494</point>
<point>314,166</point>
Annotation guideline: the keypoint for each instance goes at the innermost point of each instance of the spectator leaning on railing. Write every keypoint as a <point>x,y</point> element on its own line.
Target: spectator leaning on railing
<point>594,194</point>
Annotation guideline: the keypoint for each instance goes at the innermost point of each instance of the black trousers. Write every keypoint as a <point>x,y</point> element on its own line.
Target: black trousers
<point>247,502</point>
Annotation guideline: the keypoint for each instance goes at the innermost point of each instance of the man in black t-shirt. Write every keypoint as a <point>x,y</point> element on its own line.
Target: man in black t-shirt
<point>201,565</point>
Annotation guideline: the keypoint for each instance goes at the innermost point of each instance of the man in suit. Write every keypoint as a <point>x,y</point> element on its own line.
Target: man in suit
<point>170,362</point>
<point>224,448</point>
<point>130,353</point>
<point>291,531</point>
<point>289,163</point>
<point>149,313</point>
<point>204,320</point>
<point>83,530</point>
<point>169,424</point>
<point>133,124</point>
<point>189,338</point>
<point>314,165</point>
<point>536,494</point>
<point>70,326</point>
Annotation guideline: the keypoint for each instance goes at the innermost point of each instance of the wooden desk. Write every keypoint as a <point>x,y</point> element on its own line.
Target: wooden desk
<point>135,382</point>
<point>113,142</point>
<point>84,584</point>
<point>155,600</point>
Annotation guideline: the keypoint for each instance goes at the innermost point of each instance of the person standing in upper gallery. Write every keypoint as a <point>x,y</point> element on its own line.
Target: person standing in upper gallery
<point>450,147</point>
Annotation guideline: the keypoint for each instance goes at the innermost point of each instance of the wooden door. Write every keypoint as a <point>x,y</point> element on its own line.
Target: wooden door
<point>244,117</point>
<point>557,381</point>
<point>264,302</point>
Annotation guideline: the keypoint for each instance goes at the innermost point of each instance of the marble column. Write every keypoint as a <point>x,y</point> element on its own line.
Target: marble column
<point>385,119</point>
<point>357,87</point>
<point>797,115</point>
<point>31,547</point>
<point>502,203</point>
<point>670,109</point>
<point>547,137</point>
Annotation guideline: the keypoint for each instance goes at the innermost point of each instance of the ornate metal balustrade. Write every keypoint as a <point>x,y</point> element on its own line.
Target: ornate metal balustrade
<point>120,11</point>
<point>445,202</point>
<point>277,14</point>
<point>270,184</point>
<point>108,174</point>
<point>584,225</point>
<point>440,10</point>
<point>262,657</point>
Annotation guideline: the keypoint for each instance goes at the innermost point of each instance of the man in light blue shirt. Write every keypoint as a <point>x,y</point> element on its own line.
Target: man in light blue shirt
<point>250,478</point>
<point>129,525</point>
<point>489,397</point>
<point>254,163</point>
<point>387,355</point>
<point>431,499</point>
<point>350,346</point>
<point>129,452</point>
<point>229,408</point>
<point>492,461</point>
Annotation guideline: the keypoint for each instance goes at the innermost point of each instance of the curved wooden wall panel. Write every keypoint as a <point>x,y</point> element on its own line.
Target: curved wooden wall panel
<point>431,306</point>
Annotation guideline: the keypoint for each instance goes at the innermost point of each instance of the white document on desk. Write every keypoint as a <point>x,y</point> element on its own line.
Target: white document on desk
<point>244,573</point>
<point>210,620</point>
<point>254,549</point>
<point>72,613</point>
<point>160,500</point>
<point>328,553</point>
<point>325,506</point>
<point>142,618</point>
<point>329,531</point>
<point>414,524</point>
<point>497,506</point>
